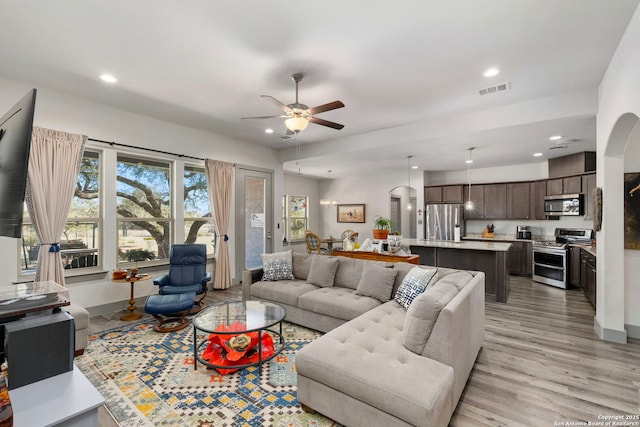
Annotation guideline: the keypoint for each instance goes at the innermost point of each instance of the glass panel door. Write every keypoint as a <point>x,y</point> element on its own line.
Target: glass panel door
<point>254,204</point>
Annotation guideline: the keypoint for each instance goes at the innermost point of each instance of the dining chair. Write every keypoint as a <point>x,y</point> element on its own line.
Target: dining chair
<point>352,235</point>
<point>313,243</point>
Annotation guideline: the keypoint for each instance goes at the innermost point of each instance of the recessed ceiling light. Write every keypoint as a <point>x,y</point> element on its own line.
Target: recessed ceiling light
<point>555,138</point>
<point>490,72</point>
<point>268,130</point>
<point>414,167</point>
<point>108,78</point>
<point>537,154</point>
<point>468,161</point>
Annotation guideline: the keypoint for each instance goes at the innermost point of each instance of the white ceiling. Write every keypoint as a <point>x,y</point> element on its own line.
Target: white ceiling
<point>407,71</point>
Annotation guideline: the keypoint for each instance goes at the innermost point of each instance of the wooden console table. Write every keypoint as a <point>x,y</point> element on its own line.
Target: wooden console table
<point>376,256</point>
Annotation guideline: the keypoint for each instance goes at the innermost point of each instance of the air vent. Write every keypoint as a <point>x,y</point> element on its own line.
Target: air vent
<point>558,147</point>
<point>494,89</point>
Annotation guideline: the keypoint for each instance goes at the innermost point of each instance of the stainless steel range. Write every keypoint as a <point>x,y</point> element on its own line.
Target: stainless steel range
<point>550,257</point>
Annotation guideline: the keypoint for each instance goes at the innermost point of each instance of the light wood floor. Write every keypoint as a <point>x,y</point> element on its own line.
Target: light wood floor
<point>541,362</point>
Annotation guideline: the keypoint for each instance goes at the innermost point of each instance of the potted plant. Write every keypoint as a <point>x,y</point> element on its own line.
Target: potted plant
<point>381,228</point>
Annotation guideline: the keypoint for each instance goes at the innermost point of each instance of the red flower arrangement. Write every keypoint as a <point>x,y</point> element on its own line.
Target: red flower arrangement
<point>236,349</point>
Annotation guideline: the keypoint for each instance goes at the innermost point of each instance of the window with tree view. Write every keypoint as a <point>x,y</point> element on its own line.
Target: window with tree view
<point>198,224</point>
<point>143,209</point>
<point>80,243</point>
<point>297,217</point>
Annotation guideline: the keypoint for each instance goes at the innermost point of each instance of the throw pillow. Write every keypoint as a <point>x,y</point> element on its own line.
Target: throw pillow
<point>323,270</point>
<point>376,282</point>
<point>277,266</point>
<point>413,284</point>
<point>423,314</point>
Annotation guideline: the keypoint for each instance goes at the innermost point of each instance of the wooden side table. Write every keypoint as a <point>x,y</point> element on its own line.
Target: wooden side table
<point>132,314</point>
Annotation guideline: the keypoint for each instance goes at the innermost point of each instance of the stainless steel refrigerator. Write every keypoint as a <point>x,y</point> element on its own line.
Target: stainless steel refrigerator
<point>440,221</point>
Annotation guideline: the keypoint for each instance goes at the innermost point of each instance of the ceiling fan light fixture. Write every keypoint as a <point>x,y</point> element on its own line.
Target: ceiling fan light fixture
<point>296,124</point>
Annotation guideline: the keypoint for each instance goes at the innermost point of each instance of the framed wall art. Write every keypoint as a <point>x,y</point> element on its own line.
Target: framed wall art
<point>351,213</point>
<point>632,210</point>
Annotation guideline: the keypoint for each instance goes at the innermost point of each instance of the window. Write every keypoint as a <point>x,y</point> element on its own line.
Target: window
<point>198,224</point>
<point>80,240</point>
<point>296,217</point>
<point>143,209</point>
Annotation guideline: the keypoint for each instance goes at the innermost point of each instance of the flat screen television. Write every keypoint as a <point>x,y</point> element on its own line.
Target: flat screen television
<point>15,144</point>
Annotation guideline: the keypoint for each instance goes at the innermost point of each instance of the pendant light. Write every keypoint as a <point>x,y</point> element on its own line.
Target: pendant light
<point>326,203</point>
<point>469,206</point>
<point>409,206</point>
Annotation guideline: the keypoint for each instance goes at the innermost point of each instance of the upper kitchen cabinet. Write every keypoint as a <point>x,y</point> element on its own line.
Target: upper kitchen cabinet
<point>573,164</point>
<point>477,197</point>
<point>443,194</point>
<point>495,201</point>
<point>538,192</point>
<point>568,185</point>
<point>588,184</point>
<point>518,200</point>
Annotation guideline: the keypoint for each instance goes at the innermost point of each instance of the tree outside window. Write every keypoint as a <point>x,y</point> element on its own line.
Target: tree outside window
<point>198,223</point>
<point>143,209</point>
<point>297,217</point>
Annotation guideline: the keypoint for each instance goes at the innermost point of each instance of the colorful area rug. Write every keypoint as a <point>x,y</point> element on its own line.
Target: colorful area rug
<point>147,379</point>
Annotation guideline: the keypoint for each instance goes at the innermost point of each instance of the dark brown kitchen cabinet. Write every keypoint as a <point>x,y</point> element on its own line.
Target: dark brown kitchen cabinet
<point>538,192</point>
<point>495,201</point>
<point>477,197</point>
<point>574,266</point>
<point>443,194</point>
<point>432,195</point>
<point>569,185</point>
<point>588,184</point>
<point>588,275</point>
<point>518,200</point>
<point>520,258</point>
<point>452,193</point>
<point>572,185</point>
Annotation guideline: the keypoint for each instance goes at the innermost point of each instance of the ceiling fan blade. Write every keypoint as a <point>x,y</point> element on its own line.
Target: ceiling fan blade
<point>325,123</point>
<point>262,117</point>
<point>326,107</point>
<point>280,104</point>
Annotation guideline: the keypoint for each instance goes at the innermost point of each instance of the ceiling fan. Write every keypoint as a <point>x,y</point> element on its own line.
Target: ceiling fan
<point>299,115</point>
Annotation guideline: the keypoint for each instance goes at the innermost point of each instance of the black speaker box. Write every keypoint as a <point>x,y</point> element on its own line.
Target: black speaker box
<point>38,347</point>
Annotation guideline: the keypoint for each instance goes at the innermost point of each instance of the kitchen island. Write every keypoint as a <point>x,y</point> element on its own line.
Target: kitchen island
<point>488,257</point>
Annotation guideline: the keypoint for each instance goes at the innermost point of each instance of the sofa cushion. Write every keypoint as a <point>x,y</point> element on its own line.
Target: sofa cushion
<point>350,271</point>
<point>301,265</point>
<point>413,284</point>
<point>323,270</point>
<point>277,266</point>
<point>376,282</point>
<point>402,268</point>
<point>457,278</point>
<point>365,359</point>
<point>423,313</point>
<point>285,291</point>
<point>341,303</point>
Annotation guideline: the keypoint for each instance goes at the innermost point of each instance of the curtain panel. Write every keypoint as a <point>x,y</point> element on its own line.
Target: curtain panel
<point>220,185</point>
<point>51,181</point>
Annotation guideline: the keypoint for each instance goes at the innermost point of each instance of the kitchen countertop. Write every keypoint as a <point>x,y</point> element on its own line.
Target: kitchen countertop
<point>469,245</point>
<point>589,248</point>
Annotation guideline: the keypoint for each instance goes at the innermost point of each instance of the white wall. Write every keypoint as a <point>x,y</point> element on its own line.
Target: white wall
<point>59,111</point>
<point>298,185</point>
<point>371,190</point>
<point>619,108</point>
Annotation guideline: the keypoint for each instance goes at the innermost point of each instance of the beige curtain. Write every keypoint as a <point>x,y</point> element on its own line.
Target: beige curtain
<point>220,184</point>
<point>53,172</point>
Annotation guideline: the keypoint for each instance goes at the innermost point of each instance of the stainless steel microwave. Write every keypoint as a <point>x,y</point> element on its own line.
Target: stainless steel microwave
<point>564,204</point>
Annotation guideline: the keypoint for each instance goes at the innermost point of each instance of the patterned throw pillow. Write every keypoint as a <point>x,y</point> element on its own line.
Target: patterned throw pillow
<point>277,266</point>
<point>413,284</point>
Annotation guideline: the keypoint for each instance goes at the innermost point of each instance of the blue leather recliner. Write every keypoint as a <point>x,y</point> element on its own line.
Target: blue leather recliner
<point>187,273</point>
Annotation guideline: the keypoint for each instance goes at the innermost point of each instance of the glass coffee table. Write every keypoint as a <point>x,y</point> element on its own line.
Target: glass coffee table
<point>238,335</point>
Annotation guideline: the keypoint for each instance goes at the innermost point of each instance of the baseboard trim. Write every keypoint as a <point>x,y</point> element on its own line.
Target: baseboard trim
<point>612,335</point>
<point>632,331</point>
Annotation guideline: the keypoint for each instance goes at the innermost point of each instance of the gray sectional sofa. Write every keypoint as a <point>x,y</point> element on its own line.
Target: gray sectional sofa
<point>379,364</point>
